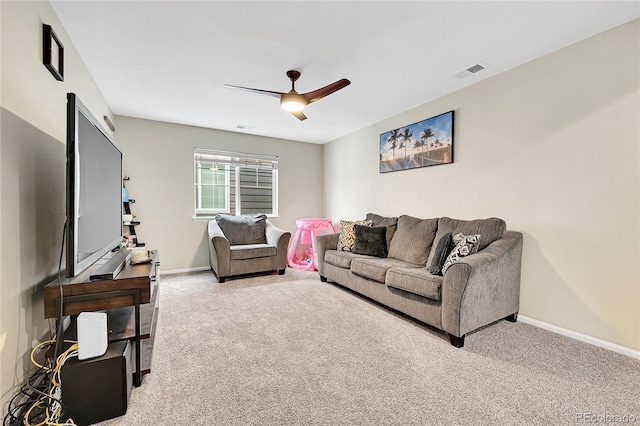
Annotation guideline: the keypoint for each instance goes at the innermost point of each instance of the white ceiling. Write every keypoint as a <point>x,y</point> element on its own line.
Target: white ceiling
<point>169,61</point>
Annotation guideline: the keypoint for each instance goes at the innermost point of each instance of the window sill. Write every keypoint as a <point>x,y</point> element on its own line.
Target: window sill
<point>208,218</point>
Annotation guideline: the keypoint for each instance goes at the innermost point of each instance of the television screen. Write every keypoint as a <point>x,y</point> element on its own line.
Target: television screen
<point>94,189</point>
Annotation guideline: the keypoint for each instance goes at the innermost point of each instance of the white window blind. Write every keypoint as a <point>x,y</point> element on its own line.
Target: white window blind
<point>234,183</point>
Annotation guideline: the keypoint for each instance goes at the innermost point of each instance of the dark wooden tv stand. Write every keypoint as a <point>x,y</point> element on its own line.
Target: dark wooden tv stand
<point>130,301</point>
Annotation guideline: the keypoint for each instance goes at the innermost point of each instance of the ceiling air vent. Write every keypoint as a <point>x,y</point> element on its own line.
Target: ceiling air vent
<point>244,127</point>
<point>472,69</point>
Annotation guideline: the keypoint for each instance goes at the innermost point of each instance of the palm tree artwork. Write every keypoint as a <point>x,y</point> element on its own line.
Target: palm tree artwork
<point>406,137</point>
<point>435,133</point>
<point>424,137</point>
<point>393,142</point>
<point>419,144</point>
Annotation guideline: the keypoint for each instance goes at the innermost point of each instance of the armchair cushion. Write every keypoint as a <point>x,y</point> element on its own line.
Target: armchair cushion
<point>252,251</point>
<point>243,229</point>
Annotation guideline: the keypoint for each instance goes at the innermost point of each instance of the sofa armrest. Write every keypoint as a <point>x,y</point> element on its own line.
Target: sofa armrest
<point>279,238</point>
<point>322,244</point>
<point>483,287</point>
<point>219,251</point>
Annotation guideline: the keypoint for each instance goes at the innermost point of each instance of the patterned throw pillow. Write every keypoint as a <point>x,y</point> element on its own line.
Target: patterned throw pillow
<point>464,246</point>
<point>347,235</point>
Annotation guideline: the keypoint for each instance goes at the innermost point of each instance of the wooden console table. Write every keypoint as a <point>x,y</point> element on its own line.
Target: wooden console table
<point>130,300</point>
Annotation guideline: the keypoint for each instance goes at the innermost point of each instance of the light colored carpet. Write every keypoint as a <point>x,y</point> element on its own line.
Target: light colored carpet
<point>290,350</point>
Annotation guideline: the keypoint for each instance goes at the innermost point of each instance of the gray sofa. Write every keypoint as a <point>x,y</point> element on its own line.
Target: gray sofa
<point>248,244</point>
<point>476,290</point>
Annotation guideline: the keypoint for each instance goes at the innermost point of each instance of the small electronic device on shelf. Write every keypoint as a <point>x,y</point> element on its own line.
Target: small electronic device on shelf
<point>128,217</point>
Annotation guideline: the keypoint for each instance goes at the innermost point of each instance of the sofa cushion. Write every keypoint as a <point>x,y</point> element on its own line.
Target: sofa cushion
<point>442,250</point>
<point>413,240</point>
<point>390,222</point>
<point>375,268</point>
<point>347,236</point>
<point>251,251</point>
<point>243,229</point>
<point>370,240</point>
<point>490,229</point>
<point>341,259</point>
<point>464,246</point>
<point>417,281</point>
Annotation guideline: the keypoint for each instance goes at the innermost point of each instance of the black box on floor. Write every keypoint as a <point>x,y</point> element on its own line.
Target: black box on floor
<point>97,389</point>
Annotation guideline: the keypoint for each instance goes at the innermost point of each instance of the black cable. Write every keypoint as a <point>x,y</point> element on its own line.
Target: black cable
<point>13,416</point>
<point>60,318</point>
<point>30,393</point>
<point>16,411</point>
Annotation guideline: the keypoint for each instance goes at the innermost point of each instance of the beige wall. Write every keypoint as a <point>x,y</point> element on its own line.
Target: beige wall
<point>553,148</point>
<point>159,159</point>
<point>32,175</point>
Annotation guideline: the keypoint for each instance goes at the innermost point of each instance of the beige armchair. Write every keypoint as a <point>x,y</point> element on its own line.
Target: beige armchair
<point>246,244</point>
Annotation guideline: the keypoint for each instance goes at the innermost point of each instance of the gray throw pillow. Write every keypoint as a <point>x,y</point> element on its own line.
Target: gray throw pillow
<point>390,222</point>
<point>443,248</point>
<point>370,240</point>
<point>243,229</point>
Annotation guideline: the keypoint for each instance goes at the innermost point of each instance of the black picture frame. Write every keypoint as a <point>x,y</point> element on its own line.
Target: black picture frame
<point>425,143</point>
<point>52,52</point>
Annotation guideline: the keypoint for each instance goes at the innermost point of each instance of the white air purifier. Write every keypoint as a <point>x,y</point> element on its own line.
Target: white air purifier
<point>92,334</point>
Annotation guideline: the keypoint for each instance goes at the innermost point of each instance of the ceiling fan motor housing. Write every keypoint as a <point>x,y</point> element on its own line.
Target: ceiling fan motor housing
<point>293,75</point>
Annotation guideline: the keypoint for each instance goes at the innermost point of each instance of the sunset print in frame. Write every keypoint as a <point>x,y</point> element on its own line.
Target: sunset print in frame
<point>425,143</point>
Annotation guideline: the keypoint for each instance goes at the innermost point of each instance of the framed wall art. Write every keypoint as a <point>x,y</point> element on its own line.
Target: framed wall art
<point>425,143</point>
<point>52,52</point>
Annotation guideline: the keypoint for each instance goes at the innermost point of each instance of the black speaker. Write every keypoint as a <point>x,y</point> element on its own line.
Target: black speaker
<point>97,389</point>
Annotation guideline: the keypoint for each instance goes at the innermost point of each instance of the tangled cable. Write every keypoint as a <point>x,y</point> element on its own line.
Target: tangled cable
<point>44,400</point>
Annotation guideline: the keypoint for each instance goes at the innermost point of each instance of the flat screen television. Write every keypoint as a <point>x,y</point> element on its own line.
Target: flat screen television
<point>94,190</point>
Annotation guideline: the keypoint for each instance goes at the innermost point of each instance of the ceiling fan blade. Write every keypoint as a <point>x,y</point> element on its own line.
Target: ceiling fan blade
<point>259,91</point>
<point>326,90</point>
<point>299,115</point>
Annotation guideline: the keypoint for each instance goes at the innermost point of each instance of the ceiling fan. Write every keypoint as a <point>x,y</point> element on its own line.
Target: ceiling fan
<point>293,101</point>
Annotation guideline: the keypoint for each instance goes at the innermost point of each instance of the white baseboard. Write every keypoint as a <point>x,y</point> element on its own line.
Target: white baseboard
<point>184,271</point>
<point>582,337</point>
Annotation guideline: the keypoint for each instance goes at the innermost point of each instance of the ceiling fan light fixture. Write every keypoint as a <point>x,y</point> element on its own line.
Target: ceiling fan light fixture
<point>292,102</point>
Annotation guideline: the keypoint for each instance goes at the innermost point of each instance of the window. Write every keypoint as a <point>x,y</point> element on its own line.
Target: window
<point>234,183</point>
